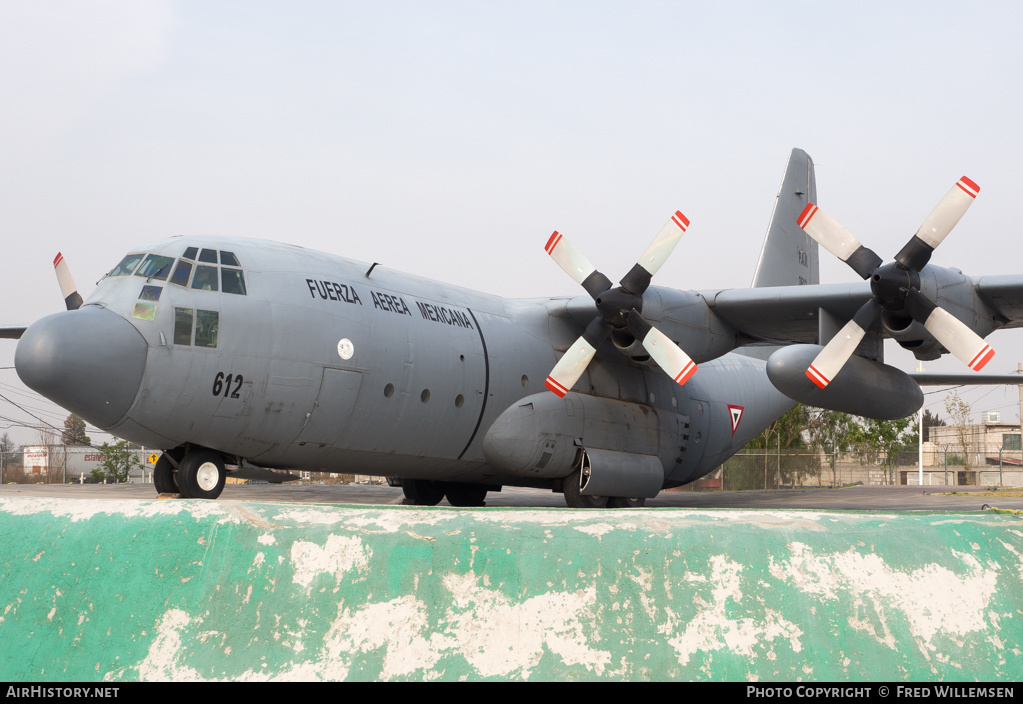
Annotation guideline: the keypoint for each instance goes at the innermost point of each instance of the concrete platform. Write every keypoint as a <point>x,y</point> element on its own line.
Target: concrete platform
<point>118,588</point>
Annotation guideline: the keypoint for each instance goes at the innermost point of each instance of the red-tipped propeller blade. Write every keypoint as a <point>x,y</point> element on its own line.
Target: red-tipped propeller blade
<point>841,347</point>
<point>938,224</point>
<point>72,299</point>
<point>668,356</point>
<point>570,367</point>
<point>838,240</point>
<point>954,335</point>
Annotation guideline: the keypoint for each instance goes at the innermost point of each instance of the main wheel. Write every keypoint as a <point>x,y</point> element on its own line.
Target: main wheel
<point>420,492</point>
<point>164,472</point>
<point>460,494</point>
<point>622,502</point>
<point>574,499</point>
<point>201,475</point>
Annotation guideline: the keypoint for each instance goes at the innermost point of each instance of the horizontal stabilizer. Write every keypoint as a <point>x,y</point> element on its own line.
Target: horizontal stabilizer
<point>12,333</point>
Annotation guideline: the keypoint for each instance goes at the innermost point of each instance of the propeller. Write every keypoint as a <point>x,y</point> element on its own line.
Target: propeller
<point>72,299</point>
<point>619,308</point>
<point>896,286</point>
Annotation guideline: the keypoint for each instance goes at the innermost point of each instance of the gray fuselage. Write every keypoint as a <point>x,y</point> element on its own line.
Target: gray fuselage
<point>306,362</point>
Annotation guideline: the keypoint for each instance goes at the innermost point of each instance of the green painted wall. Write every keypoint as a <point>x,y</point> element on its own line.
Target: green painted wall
<point>187,590</point>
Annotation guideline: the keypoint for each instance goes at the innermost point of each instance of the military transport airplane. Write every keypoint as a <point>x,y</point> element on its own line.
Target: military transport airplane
<point>228,353</point>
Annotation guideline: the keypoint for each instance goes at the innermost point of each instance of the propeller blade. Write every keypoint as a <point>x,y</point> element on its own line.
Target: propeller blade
<point>576,265</point>
<point>938,224</point>
<point>638,278</point>
<point>668,356</point>
<point>842,346</point>
<point>574,362</point>
<point>839,241</point>
<point>72,299</point>
<point>953,334</point>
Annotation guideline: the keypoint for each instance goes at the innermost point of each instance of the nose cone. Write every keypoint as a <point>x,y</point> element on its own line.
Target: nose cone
<point>89,361</point>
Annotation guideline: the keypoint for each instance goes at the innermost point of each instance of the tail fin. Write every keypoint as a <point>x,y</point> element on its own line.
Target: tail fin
<point>789,256</point>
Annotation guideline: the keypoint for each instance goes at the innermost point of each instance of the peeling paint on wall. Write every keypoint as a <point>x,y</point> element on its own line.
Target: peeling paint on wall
<point>190,590</point>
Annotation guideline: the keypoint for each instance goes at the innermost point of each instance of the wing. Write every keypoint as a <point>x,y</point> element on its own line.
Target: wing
<point>785,314</point>
<point>1004,294</point>
<point>790,313</point>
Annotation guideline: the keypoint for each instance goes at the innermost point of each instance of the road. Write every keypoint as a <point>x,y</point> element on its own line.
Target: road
<point>880,498</point>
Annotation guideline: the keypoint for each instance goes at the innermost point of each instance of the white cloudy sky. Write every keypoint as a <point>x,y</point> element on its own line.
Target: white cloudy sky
<point>449,139</point>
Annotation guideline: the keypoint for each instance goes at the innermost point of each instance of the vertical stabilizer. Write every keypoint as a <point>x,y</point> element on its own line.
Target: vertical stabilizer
<point>789,256</point>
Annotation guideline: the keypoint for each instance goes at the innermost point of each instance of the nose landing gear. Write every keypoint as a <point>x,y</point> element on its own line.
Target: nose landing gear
<point>194,474</point>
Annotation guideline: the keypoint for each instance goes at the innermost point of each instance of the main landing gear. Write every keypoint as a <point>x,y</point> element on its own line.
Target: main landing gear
<point>196,473</point>
<point>421,492</point>
<point>572,487</point>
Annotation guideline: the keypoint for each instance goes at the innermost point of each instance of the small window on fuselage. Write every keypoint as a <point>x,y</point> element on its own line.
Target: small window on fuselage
<point>228,259</point>
<point>208,255</point>
<point>190,253</point>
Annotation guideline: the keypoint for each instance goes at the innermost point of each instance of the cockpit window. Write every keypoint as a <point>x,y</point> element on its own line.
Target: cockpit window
<point>228,259</point>
<point>150,293</point>
<point>205,278</point>
<point>233,281</point>
<point>190,253</point>
<point>207,325</point>
<point>182,326</point>
<point>181,273</point>
<point>127,265</point>
<point>208,255</point>
<point>155,267</point>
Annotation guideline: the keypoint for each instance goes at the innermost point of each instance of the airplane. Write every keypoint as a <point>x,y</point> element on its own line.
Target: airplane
<point>229,354</point>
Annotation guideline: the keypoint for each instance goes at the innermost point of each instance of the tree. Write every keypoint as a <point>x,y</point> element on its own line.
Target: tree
<point>118,461</point>
<point>788,430</point>
<point>959,412</point>
<point>74,431</point>
<point>886,438</point>
<point>47,434</point>
<point>6,456</point>
<point>830,432</point>
<point>786,433</point>
<point>931,420</point>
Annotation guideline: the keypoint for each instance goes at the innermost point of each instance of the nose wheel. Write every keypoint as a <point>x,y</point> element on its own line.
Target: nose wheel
<point>165,471</point>
<point>201,474</point>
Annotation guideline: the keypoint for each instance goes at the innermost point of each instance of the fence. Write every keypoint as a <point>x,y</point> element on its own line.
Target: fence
<point>765,469</point>
<point>63,464</point>
<point>60,464</point>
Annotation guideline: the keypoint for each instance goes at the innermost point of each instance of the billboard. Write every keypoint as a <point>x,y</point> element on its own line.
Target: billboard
<point>35,458</point>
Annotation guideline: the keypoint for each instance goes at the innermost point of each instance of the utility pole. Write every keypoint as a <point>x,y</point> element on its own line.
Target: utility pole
<point>920,429</point>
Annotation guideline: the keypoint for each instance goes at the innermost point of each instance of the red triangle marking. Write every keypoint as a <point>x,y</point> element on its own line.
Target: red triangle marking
<point>736,414</point>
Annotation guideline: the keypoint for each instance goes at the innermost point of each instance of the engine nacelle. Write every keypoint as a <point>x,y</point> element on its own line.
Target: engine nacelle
<point>863,387</point>
<point>957,294</point>
<point>912,336</point>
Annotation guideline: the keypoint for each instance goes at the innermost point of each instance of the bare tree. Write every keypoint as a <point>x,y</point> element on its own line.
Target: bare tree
<point>959,412</point>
